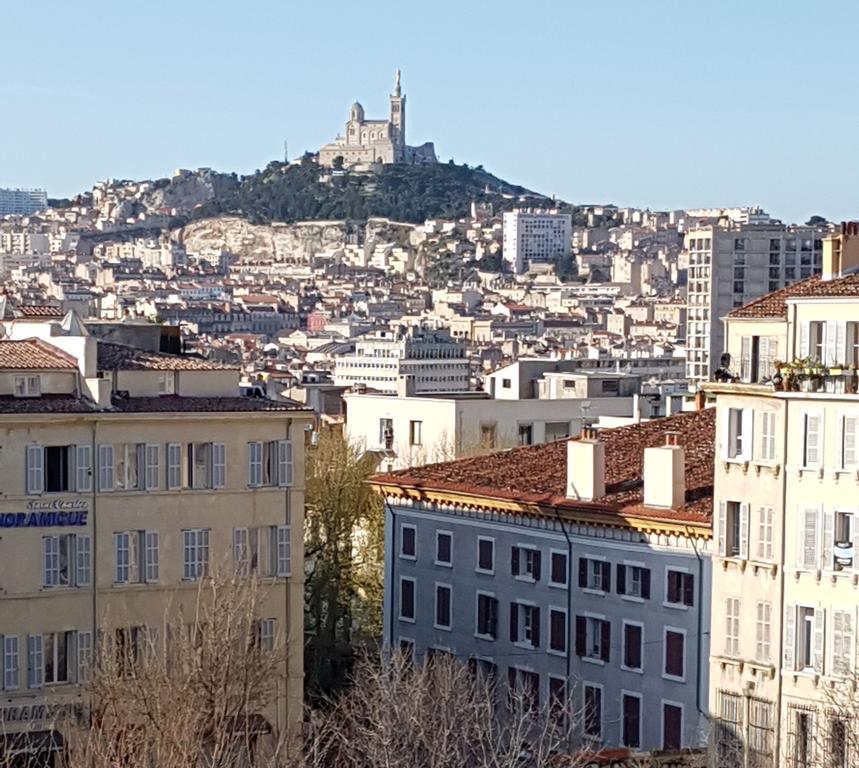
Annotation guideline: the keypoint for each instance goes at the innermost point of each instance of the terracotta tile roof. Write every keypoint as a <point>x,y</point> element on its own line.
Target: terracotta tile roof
<point>775,304</point>
<point>119,356</point>
<point>174,403</point>
<point>537,474</point>
<point>34,354</point>
<point>38,310</point>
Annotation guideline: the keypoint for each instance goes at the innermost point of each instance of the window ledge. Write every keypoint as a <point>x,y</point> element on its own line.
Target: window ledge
<point>676,606</point>
<point>524,644</point>
<point>442,564</point>
<point>488,638</point>
<point>406,619</point>
<point>553,652</point>
<point>738,561</point>
<point>674,678</point>
<point>758,565</point>
<point>593,660</point>
<point>526,579</point>
<point>633,599</point>
<point>634,670</point>
<point>593,591</point>
<point>766,668</point>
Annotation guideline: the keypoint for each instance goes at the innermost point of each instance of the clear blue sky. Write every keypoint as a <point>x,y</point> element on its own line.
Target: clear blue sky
<point>650,103</point>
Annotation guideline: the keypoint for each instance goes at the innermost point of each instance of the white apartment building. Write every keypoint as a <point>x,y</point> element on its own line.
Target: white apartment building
<point>414,361</point>
<point>535,237</point>
<point>22,202</point>
<point>728,267</point>
<point>786,499</point>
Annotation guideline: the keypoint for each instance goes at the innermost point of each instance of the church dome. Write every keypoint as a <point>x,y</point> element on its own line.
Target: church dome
<point>357,112</point>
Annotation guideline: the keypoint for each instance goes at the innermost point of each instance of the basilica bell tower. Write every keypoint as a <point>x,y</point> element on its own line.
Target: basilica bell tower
<point>398,115</point>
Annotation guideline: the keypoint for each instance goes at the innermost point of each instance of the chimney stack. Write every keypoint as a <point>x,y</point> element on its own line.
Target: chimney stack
<point>586,467</point>
<point>665,474</point>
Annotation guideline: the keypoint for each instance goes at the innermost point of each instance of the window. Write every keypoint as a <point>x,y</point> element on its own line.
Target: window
<point>442,606</point>
<point>761,732</point>
<point>804,639</point>
<point>808,538</point>
<point>105,468</point>
<point>443,548</point>
<point>837,748</point>
<point>633,642</point>
<point>525,563</point>
<point>558,569</point>
<point>631,720</point>
<point>151,469</point>
<point>195,545</point>
<point>592,715</point>
<point>408,541</point>
<point>675,655</point>
<point>266,633</point>
<point>28,386</point>
<point>487,616</point>
<point>852,344</point>
<point>130,643</point>
<point>415,432</point>
<point>762,631</point>
<point>58,468</point>
<point>738,426</point>
<point>174,465</point>
<point>264,550</point>
<point>386,433</point>
<point>679,588</point>
<point>136,557</point>
<point>525,624</point>
<point>633,581</point>
<point>485,554</point>
<point>842,642</point>
<point>767,444</point>
<point>816,339</point>
<point>407,599</point>
<point>593,638</point>
<point>732,627</point>
<point>35,661</point>
<point>801,738</point>
<point>166,382</point>
<point>558,704</point>
<point>56,648</point>
<point>270,463</point>
<point>523,687</point>
<point>672,726</point>
<point>558,630</point>
<point>11,669</point>
<point>526,434</point>
<point>843,541</point>
<point>812,440</point>
<point>733,529</point>
<point>765,533</point>
<point>505,383</point>
<point>66,560</point>
<point>594,574</point>
<point>847,457</point>
<point>129,468</point>
<point>487,436</point>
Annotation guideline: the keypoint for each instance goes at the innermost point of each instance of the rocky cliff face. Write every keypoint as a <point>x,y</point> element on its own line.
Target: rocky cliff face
<point>287,243</point>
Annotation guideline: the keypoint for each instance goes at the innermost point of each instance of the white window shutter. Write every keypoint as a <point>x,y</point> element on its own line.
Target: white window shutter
<point>35,469</point>
<point>152,461</point>
<point>808,538</point>
<point>174,466</point>
<point>83,553</point>
<point>723,524</point>
<point>748,427</point>
<point>284,463</point>
<point>840,343</point>
<point>804,334</point>
<point>746,358</point>
<point>819,626</point>
<point>151,547</point>
<point>790,637</point>
<point>84,656</point>
<point>726,432</point>
<point>826,551</point>
<point>219,465</point>
<point>105,467</point>
<point>744,531</point>
<point>254,464</point>
<point>812,439</point>
<point>847,441</point>
<point>83,468</point>
<point>831,348</point>
<point>35,661</point>
<point>284,551</point>
<point>849,642</point>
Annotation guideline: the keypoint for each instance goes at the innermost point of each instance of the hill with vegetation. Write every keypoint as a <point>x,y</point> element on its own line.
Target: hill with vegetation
<point>411,193</point>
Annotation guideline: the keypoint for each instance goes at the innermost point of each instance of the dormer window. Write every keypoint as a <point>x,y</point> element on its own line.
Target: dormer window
<point>166,383</point>
<point>28,386</point>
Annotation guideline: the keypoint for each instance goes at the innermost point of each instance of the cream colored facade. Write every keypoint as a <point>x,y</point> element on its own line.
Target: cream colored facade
<point>785,603</point>
<point>108,516</point>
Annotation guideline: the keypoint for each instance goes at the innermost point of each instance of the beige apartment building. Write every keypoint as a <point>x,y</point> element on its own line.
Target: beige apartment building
<point>125,476</point>
<point>786,495</point>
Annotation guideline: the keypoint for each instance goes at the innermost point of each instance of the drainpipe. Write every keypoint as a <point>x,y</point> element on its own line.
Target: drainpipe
<point>393,537</point>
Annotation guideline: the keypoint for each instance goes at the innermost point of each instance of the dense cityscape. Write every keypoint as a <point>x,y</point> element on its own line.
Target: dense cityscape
<point>279,486</point>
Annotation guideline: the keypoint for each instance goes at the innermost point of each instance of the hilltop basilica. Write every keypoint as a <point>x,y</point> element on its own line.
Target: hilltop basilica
<point>377,141</point>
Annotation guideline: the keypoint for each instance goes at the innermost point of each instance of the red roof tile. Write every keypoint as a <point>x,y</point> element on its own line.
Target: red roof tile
<point>121,357</point>
<point>34,354</point>
<point>775,304</point>
<point>537,474</point>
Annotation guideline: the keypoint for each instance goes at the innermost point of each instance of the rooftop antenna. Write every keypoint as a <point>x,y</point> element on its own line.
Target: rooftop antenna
<point>285,153</point>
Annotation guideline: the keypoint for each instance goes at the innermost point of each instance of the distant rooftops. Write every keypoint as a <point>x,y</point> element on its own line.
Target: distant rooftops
<point>774,305</point>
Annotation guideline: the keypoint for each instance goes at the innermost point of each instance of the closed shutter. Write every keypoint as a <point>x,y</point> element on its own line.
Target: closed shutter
<point>84,660</point>
<point>790,638</point>
<point>254,464</point>
<point>583,572</point>
<point>748,430</point>
<point>746,359</point>
<point>219,465</point>
<point>105,467</point>
<point>689,590</point>
<point>83,468</point>
<point>514,561</point>
<point>152,461</point>
<point>808,538</point>
<point>11,674</point>
<point>606,576</point>
<point>831,349</point>
<point>535,623</point>
<point>744,531</point>
<point>819,626</point>
<point>35,661</point>
<point>174,466</point>
<point>621,579</point>
<point>51,561</point>
<point>826,551</point>
<point>35,469</point>
<point>284,551</point>
<point>605,641</point>
<point>151,554</point>
<point>284,463</point>
<point>83,555</point>
<point>645,583</point>
<point>581,635</point>
<point>848,442</point>
<point>723,526</point>
<point>840,344</point>
<point>804,335</point>
<point>812,440</point>
<point>537,566</point>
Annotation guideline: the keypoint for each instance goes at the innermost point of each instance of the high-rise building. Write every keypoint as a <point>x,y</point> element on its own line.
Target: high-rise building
<point>728,267</point>
<point>536,237</point>
<point>22,201</point>
<point>127,475</point>
<point>784,607</point>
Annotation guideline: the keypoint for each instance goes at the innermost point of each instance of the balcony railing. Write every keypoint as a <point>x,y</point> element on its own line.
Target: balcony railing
<point>804,376</point>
